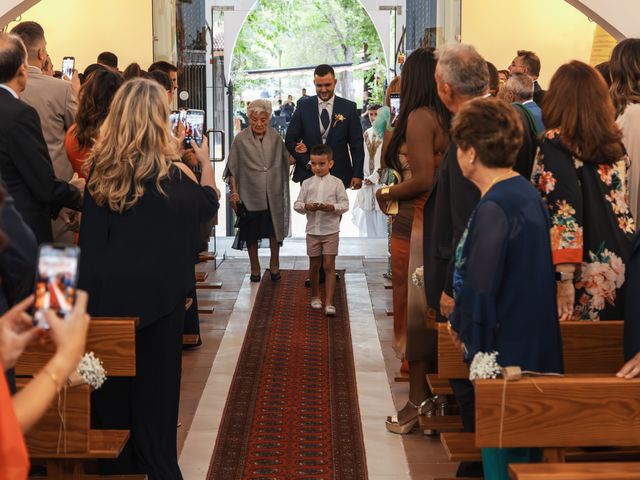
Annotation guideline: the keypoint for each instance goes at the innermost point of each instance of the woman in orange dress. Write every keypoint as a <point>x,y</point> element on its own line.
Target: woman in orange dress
<point>95,98</point>
<point>18,414</point>
<point>415,149</point>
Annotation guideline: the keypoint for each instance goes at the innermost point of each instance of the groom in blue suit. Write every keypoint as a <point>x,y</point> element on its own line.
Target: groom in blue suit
<point>326,118</point>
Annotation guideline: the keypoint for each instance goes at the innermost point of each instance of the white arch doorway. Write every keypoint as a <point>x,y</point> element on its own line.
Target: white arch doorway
<point>236,12</point>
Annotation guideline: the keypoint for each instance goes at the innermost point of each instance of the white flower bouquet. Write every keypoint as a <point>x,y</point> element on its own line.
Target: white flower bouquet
<point>484,366</point>
<point>417,277</point>
<point>89,371</point>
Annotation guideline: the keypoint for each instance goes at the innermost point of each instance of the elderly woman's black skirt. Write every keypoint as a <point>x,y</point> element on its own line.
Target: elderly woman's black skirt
<point>252,228</point>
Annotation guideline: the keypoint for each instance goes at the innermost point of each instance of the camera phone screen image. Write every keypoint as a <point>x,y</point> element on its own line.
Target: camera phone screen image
<point>175,118</point>
<point>67,66</point>
<point>395,106</point>
<point>56,280</point>
<point>194,128</point>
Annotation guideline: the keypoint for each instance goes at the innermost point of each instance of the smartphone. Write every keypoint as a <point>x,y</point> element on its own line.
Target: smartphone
<point>395,106</point>
<point>194,127</point>
<point>56,281</point>
<point>175,117</point>
<point>68,65</point>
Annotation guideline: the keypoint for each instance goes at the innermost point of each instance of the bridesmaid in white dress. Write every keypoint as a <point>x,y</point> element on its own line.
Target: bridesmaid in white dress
<point>367,215</point>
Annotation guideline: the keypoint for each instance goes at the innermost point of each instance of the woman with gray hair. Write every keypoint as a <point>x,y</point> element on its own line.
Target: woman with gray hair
<point>258,176</point>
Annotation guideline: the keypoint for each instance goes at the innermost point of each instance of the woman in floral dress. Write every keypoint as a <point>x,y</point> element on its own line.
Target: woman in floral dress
<point>581,172</point>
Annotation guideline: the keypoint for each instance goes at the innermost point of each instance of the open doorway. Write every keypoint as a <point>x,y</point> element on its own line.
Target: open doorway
<point>280,43</point>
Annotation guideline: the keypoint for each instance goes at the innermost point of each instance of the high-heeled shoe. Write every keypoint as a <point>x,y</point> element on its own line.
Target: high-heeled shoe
<point>392,424</point>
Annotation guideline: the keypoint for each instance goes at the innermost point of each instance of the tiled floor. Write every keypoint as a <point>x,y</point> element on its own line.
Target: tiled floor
<point>207,371</point>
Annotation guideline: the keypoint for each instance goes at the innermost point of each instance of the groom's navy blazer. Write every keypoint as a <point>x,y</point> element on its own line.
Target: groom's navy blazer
<point>344,137</point>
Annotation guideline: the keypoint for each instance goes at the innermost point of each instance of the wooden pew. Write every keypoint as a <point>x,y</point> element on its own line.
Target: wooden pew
<point>207,256</point>
<point>588,348</point>
<point>558,412</point>
<point>66,449</point>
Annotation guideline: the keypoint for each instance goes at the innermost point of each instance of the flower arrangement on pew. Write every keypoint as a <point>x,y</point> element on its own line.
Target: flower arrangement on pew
<point>417,277</point>
<point>89,371</point>
<point>484,366</point>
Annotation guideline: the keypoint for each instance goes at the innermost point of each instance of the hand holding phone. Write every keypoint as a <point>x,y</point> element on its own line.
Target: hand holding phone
<point>56,281</point>
<point>194,127</point>
<point>395,107</point>
<point>68,66</point>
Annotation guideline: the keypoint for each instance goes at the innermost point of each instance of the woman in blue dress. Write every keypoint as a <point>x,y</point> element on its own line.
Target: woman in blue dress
<point>504,281</point>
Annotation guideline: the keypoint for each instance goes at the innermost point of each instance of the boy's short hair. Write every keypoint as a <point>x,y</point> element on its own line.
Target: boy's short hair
<point>320,150</point>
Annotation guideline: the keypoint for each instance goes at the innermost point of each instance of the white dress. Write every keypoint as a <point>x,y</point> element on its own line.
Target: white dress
<point>366,214</point>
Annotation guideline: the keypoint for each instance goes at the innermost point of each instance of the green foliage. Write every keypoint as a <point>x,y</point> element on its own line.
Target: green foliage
<point>302,32</point>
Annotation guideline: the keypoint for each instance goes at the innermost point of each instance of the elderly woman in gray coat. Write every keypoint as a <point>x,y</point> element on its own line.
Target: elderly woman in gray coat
<point>258,176</point>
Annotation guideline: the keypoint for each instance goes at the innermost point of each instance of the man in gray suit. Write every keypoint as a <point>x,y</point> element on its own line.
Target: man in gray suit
<point>56,102</point>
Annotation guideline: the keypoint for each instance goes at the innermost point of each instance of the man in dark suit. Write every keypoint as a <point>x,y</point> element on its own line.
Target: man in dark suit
<point>327,119</point>
<point>25,165</point>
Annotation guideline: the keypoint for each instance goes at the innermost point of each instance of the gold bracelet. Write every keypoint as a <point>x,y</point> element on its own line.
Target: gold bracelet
<point>53,378</point>
<point>385,191</point>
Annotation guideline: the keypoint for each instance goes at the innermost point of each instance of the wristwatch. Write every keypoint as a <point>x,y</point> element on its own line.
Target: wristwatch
<point>564,276</point>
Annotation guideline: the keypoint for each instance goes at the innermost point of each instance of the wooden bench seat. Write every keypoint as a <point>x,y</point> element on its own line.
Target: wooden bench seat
<point>201,276</point>
<point>206,306</point>
<point>575,471</point>
<point>441,423</point>
<point>208,285</point>
<point>190,339</point>
<point>187,303</point>
<point>102,444</point>
<point>207,256</point>
<point>438,385</point>
<point>460,447</point>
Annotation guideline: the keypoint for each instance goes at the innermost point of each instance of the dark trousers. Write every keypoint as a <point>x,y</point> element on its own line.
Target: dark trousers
<point>465,397</point>
<point>191,318</point>
<point>146,404</point>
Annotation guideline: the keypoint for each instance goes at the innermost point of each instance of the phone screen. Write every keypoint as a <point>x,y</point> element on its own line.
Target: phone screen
<point>68,64</point>
<point>56,281</point>
<point>395,106</point>
<point>194,127</point>
<point>175,117</point>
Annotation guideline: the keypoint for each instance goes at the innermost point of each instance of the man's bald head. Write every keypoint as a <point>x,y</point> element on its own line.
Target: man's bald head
<point>13,55</point>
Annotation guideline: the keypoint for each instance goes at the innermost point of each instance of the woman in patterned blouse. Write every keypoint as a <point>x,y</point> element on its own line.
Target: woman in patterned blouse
<point>581,172</point>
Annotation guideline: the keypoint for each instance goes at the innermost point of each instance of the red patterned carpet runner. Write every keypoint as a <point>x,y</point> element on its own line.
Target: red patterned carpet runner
<point>292,410</point>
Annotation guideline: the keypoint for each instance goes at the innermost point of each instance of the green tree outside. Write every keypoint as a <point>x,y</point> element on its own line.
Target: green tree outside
<point>285,33</point>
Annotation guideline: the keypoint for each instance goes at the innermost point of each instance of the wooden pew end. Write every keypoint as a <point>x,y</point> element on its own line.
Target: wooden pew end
<point>461,447</point>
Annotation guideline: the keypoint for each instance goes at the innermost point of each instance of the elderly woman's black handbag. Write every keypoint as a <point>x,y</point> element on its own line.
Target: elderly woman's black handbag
<point>241,214</point>
<point>241,210</point>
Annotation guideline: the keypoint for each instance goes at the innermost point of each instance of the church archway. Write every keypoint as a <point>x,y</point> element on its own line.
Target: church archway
<point>235,19</point>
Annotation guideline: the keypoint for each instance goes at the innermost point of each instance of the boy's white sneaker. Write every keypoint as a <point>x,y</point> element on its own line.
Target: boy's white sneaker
<point>316,303</point>
<point>330,311</point>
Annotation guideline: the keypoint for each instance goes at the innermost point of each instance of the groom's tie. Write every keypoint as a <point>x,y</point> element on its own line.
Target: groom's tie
<point>324,118</point>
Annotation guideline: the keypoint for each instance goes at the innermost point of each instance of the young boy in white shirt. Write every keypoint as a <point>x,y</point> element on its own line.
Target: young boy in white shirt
<point>323,199</point>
